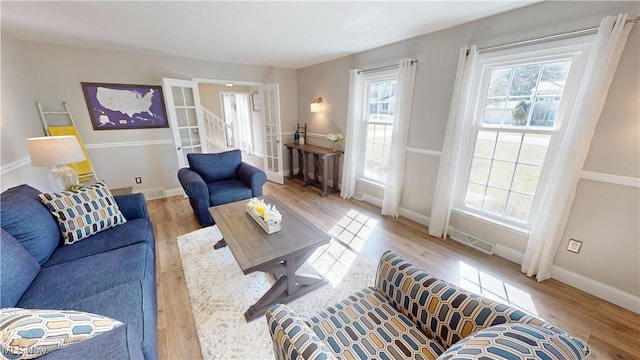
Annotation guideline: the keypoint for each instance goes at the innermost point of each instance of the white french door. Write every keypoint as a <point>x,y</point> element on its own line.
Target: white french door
<point>185,116</point>
<point>270,96</point>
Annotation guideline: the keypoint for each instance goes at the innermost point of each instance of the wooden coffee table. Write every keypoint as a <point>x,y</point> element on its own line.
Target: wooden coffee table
<point>280,254</point>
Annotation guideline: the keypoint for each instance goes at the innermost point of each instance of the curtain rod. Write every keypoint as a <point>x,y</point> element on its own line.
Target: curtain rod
<point>549,37</point>
<point>383,67</point>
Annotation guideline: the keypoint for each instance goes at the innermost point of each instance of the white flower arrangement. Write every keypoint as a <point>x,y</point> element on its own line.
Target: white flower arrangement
<point>267,212</point>
<point>335,137</point>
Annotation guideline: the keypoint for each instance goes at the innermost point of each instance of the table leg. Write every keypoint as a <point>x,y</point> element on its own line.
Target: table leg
<point>288,287</point>
<point>300,164</point>
<point>317,169</point>
<point>305,161</point>
<point>290,163</point>
<point>336,169</point>
<point>325,176</point>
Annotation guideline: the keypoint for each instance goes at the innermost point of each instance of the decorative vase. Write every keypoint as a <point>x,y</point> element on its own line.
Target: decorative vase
<point>334,145</point>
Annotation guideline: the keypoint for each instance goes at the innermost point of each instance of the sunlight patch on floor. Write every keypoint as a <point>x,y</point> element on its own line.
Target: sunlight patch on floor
<point>333,260</point>
<point>493,288</point>
<point>353,229</point>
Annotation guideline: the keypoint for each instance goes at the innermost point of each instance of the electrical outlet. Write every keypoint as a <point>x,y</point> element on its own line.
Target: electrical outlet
<point>574,245</point>
<point>138,180</point>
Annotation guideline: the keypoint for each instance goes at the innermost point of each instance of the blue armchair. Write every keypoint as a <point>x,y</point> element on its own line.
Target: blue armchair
<point>216,179</point>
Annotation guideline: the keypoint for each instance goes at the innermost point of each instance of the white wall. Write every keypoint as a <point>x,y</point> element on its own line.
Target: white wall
<point>19,119</point>
<point>605,216</point>
<point>52,74</point>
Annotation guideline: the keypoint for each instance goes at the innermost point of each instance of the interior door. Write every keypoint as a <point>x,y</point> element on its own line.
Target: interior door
<point>270,98</point>
<point>185,115</point>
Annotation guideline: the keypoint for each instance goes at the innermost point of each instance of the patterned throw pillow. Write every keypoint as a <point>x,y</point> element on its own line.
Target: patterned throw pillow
<point>28,333</point>
<point>82,213</point>
<point>518,341</point>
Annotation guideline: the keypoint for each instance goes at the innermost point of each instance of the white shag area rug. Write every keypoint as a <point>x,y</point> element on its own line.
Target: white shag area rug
<point>220,293</point>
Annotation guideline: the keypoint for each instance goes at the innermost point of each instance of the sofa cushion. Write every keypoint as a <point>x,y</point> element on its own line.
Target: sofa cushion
<point>518,341</point>
<point>29,333</point>
<point>216,167</point>
<point>113,344</point>
<point>60,285</point>
<point>18,268</point>
<point>133,303</point>
<point>365,326</point>
<point>82,213</point>
<point>25,217</point>
<point>228,191</point>
<point>132,232</point>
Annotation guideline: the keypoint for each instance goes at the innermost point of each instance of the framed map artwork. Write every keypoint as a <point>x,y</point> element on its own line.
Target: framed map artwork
<point>119,106</point>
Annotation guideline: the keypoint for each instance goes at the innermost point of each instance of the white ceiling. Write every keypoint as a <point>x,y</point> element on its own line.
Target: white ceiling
<point>286,34</point>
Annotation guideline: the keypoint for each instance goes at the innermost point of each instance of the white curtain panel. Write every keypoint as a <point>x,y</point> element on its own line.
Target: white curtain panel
<point>548,230</point>
<point>397,155</point>
<point>352,135</point>
<point>447,171</point>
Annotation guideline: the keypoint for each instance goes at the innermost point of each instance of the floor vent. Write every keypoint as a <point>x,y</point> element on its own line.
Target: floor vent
<point>472,241</point>
<point>151,194</point>
<point>358,196</point>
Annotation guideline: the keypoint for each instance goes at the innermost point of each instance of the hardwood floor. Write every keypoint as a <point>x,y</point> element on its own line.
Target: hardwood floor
<point>612,332</point>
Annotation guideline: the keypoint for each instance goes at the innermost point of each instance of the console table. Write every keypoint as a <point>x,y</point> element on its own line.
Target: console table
<point>321,157</point>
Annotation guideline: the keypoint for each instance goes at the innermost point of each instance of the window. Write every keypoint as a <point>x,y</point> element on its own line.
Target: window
<point>520,103</point>
<point>379,110</point>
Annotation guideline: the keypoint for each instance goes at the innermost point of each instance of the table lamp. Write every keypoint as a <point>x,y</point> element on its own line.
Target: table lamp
<point>57,152</point>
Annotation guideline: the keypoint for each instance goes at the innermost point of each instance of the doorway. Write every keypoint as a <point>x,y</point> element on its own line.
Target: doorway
<point>237,118</point>
<point>256,131</point>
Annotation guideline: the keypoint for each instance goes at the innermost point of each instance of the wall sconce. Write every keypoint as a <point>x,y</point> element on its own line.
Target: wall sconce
<point>316,105</point>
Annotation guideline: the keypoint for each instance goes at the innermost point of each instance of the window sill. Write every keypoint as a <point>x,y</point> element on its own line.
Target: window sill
<point>370,182</point>
<point>518,229</point>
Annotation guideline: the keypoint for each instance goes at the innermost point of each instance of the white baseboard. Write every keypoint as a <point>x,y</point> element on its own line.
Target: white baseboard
<point>409,214</point>
<point>508,253</point>
<point>372,200</point>
<point>412,215</point>
<point>596,288</point>
<point>588,285</point>
<point>175,192</point>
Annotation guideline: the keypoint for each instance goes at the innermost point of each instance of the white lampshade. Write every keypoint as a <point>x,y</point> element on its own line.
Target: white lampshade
<point>57,152</point>
<point>54,150</point>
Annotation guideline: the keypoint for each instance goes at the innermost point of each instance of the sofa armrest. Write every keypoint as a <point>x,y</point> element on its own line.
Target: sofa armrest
<point>252,177</point>
<point>198,193</point>
<point>132,206</point>
<point>292,337</point>
<point>443,311</point>
<point>193,184</point>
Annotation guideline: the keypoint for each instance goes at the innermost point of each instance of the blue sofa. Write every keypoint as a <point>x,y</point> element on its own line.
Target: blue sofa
<point>110,273</point>
<point>219,178</point>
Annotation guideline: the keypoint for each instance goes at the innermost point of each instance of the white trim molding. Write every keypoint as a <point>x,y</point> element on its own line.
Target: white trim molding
<point>128,144</point>
<point>424,151</point>
<point>610,178</point>
<point>15,165</point>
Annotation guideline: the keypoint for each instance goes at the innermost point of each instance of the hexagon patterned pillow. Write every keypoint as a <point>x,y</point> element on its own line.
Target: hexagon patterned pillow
<point>82,213</point>
<point>30,333</point>
<point>517,341</point>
